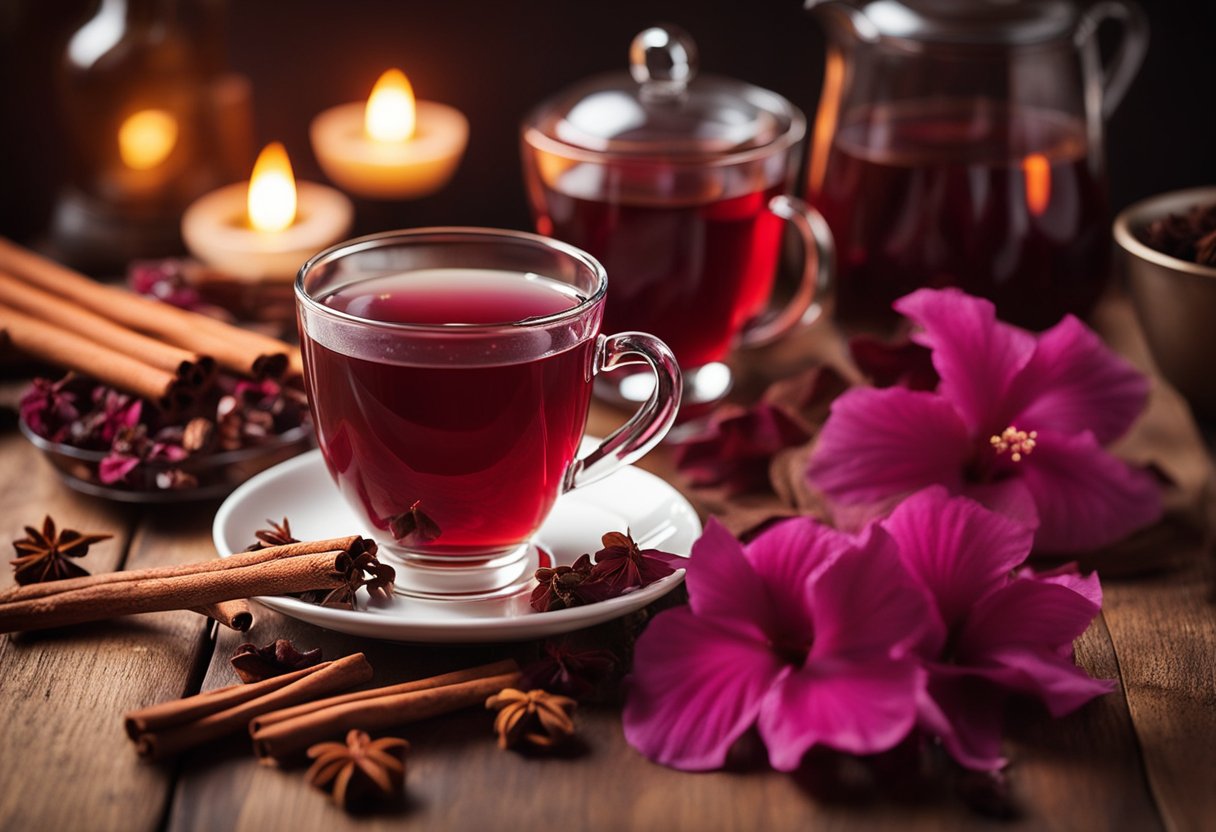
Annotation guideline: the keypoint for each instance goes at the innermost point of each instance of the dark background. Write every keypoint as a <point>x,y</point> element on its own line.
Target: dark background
<point>494,60</point>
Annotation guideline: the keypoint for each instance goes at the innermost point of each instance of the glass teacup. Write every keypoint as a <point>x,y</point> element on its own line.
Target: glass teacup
<point>449,373</point>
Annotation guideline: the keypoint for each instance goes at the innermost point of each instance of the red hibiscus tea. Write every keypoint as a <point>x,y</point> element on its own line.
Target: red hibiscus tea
<point>1001,203</point>
<point>690,268</point>
<point>457,450</point>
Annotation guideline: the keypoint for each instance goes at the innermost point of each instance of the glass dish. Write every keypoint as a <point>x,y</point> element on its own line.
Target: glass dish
<point>217,473</point>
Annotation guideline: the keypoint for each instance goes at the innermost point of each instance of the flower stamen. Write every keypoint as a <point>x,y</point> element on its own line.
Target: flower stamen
<point>1017,443</point>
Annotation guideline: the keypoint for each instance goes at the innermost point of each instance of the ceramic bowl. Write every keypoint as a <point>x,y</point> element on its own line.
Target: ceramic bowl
<point>1175,299</point>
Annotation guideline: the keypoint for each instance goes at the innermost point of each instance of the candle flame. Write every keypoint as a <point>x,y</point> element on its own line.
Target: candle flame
<point>390,114</point>
<point>1037,171</point>
<point>272,190</point>
<point>146,138</point>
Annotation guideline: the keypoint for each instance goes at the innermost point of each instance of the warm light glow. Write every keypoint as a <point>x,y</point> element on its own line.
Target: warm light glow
<point>825,124</point>
<point>1038,183</point>
<point>390,114</point>
<point>272,190</point>
<point>147,138</point>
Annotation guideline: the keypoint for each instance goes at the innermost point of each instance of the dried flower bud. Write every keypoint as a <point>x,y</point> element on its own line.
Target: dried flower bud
<point>253,663</point>
<point>198,434</point>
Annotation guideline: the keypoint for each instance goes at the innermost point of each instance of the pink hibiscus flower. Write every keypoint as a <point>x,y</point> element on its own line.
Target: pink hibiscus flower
<point>805,633</point>
<point>1019,422</point>
<point>1000,633</point>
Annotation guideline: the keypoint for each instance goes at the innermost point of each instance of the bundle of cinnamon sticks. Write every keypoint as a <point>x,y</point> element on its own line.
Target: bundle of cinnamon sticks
<point>170,728</point>
<point>276,570</point>
<point>157,351</point>
<point>283,733</point>
<point>287,714</point>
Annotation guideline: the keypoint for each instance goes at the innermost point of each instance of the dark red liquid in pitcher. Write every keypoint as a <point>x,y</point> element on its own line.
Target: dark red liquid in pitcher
<point>481,451</point>
<point>1001,203</point>
<point>690,270</point>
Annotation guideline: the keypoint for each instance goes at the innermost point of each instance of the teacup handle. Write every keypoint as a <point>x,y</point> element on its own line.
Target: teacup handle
<point>654,418</point>
<point>816,274</point>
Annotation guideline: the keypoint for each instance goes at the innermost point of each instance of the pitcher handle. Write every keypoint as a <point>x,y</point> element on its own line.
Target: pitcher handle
<point>1130,54</point>
<point>654,418</point>
<point>816,274</point>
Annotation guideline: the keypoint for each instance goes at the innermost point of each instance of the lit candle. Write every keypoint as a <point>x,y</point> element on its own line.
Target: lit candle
<point>146,142</point>
<point>267,227</point>
<point>393,147</point>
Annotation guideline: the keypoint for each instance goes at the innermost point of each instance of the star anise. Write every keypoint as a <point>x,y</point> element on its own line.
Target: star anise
<point>43,555</point>
<point>361,568</point>
<point>253,663</point>
<point>537,717</point>
<point>560,587</point>
<point>622,566</point>
<point>413,526</point>
<point>279,534</point>
<point>360,770</point>
<point>569,668</point>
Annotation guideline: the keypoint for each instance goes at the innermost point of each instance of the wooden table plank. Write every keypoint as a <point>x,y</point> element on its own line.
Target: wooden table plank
<point>1164,631</point>
<point>67,763</point>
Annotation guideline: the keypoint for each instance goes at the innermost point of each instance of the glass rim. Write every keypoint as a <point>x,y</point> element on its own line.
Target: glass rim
<point>452,234</point>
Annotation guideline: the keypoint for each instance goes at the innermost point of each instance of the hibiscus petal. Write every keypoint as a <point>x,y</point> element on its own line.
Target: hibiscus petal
<point>1044,674</point>
<point>958,549</point>
<point>723,586</point>
<point>1010,497</point>
<point>1085,497</point>
<point>695,688</point>
<point>1087,586</point>
<point>968,714</point>
<point>856,708</point>
<point>977,356</point>
<point>786,556</point>
<point>1026,612</point>
<point>881,444</point>
<point>1076,383</point>
<point>866,605</point>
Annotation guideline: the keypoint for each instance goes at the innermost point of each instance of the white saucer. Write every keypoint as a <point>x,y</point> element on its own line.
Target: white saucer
<point>301,489</point>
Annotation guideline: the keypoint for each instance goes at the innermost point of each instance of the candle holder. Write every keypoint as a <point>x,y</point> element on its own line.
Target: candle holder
<point>150,126</point>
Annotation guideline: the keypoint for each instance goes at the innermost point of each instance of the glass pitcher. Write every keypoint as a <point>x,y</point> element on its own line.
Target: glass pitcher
<point>960,144</point>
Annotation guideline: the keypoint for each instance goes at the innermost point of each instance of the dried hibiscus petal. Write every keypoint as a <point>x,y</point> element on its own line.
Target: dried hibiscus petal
<point>253,663</point>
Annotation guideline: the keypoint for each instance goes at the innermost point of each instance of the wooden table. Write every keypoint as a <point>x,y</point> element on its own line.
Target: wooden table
<point>1142,758</point>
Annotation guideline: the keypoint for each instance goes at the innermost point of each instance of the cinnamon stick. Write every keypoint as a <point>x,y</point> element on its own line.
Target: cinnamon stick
<point>454,678</point>
<point>64,348</point>
<point>183,592</point>
<point>177,712</point>
<point>333,676</point>
<point>284,739</point>
<point>235,615</point>
<point>352,544</point>
<point>237,349</point>
<point>52,308</point>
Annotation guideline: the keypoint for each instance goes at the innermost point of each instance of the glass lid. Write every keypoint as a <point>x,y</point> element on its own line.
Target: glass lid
<point>662,107</point>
